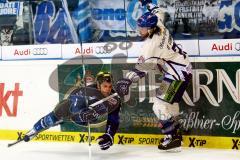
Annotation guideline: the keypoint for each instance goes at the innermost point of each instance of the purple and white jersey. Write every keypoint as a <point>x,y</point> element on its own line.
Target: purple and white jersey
<point>161,53</point>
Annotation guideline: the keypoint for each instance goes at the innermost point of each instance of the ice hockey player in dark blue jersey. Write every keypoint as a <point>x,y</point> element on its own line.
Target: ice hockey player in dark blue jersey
<point>76,109</point>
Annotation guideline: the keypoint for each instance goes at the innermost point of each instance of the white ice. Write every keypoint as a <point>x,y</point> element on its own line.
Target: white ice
<point>75,151</point>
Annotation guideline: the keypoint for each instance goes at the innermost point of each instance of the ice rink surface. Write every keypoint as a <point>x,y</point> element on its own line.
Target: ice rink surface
<point>75,151</point>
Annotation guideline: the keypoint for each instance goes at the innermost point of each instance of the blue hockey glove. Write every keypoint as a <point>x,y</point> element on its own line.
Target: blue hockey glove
<point>145,2</point>
<point>90,114</point>
<point>105,141</point>
<point>122,86</point>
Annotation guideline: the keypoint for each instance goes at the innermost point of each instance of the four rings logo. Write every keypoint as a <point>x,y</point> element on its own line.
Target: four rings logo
<point>237,46</point>
<point>39,51</point>
<point>107,49</point>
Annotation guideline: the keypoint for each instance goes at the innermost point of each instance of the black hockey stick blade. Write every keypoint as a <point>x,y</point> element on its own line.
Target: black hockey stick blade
<point>14,143</point>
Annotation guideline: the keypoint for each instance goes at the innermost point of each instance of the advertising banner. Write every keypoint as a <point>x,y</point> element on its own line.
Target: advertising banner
<point>116,15</point>
<point>11,14</point>
<point>85,50</point>
<point>11,8</point>
<point>67,21</point>
<point>108,15</point>
<point>32,52</point>
<point>189,46</point>
<point>52,22</point>
<point>228,18</point>
<point>25,93</point>
<point>125,139</point>
<point>227,47</point>
<point>95,50</point>
<point>210,106</point>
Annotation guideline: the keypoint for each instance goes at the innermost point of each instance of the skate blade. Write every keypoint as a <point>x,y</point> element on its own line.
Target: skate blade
<point>174,150</point>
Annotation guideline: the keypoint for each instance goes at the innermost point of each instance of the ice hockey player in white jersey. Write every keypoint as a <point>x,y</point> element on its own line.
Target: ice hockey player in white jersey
<point>160,53</point>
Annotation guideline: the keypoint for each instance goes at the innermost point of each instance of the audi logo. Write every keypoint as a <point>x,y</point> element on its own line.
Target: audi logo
<point>39,51</point>
<point>103,49</point>
<point>237,46</point>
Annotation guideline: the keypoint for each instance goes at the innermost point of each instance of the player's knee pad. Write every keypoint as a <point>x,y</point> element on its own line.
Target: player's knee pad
<point>164,110</point>
<point>62,109</point>
<point>46,122</point>
<point>169,126</point>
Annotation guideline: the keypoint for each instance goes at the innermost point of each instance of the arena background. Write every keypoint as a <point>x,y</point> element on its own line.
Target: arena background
<point>44,45</point>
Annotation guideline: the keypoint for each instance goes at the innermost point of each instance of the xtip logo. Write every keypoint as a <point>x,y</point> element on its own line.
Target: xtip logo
<point>34,51</point>
<point>11,111</point>
<point>196,142</point>
<point>236,144</point>
<point>20,135</point>
<point>84,138</point>
<point>125,140</point>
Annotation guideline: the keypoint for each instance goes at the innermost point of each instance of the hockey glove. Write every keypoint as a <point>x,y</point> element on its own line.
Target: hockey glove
<point>105,141</point>
<point>92,114</point>
<point>122,86</point>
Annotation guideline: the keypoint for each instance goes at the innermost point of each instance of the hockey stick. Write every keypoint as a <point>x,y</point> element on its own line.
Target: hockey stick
<point>16,142</point>
<point>102,100</point>
<point>91,106</point>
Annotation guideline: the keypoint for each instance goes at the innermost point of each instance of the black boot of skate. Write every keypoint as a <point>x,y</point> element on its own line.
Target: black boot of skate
<point>171,143</point>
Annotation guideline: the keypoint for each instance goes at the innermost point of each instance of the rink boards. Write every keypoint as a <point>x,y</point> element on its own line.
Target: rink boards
<point>31,89</point>
<point>126,139</point>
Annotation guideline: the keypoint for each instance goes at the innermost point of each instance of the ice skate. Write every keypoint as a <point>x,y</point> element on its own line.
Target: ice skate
<point>30,135</point>
<point>171,143</point>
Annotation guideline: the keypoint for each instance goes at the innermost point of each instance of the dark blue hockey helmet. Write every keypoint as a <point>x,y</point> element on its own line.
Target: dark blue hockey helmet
<point>145,2</point>
<point>148,20</point>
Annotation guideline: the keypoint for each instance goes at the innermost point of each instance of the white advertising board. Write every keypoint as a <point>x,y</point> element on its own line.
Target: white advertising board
<point>25,93</point>
<point>21,52</point>
<point>220,47</point>
<point>189,46</point>
<point>94,50</point>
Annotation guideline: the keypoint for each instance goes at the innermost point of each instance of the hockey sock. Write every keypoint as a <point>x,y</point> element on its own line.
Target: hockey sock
<point>169,126</point>
<point>46,122</point>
